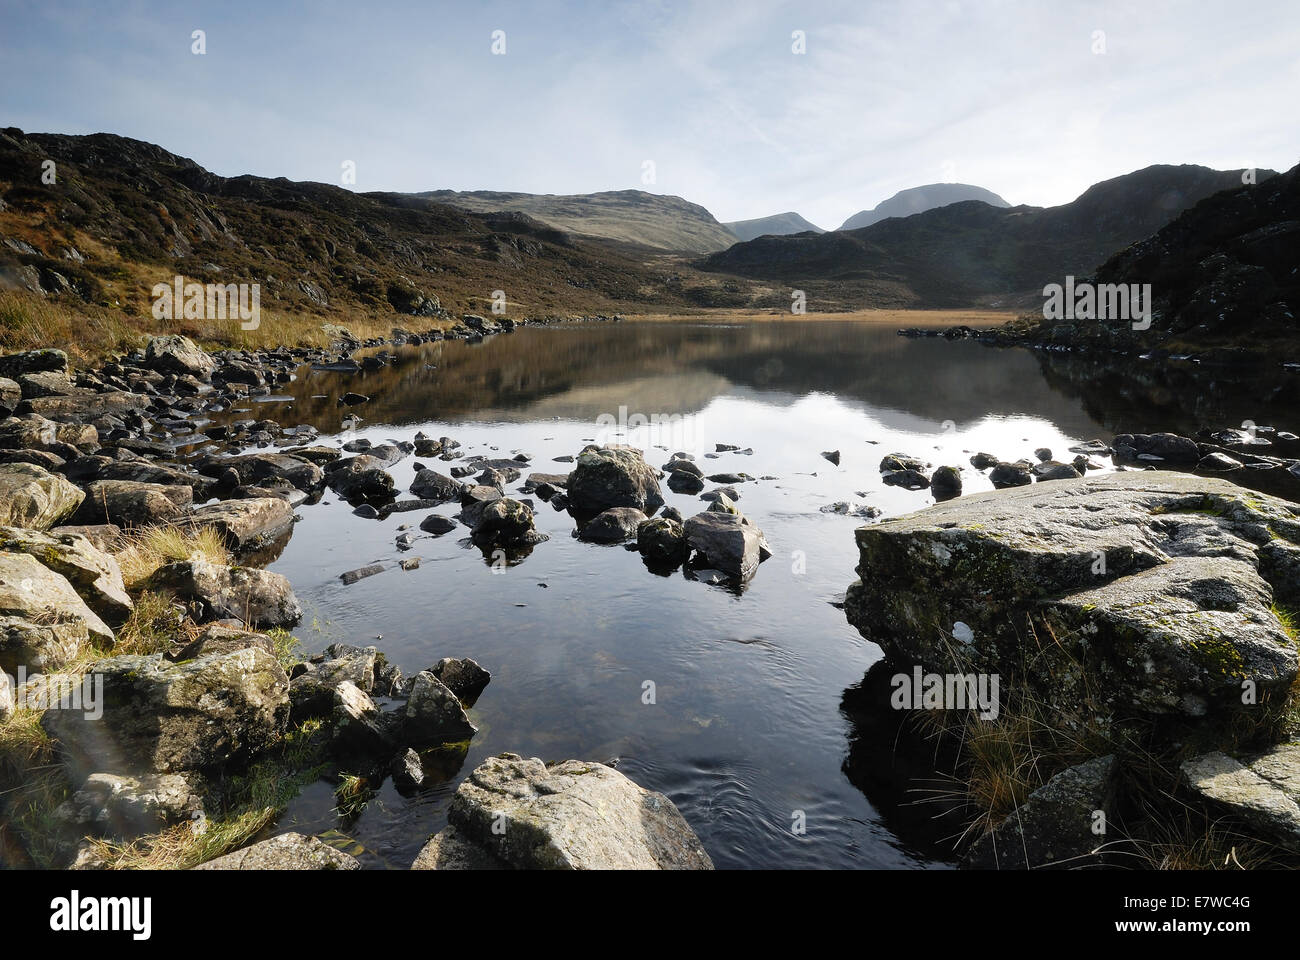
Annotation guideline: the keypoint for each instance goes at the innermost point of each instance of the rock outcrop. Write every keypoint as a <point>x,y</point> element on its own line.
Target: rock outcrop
<point>520,813</point>
<point>1151,591</point>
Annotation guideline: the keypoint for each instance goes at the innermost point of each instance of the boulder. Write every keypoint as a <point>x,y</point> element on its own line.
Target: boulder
<point>253,468</point>
<point>569,816</point>
<point>1005,475</point>
<point>1166,448</point>
<point>130,504</point>
<point>216,638</point>
<point>945,484</point>
<point>434,714</point>
<point>505,522</point>
<point>431,485</point>
<point>33,497</point>
<point>462,676</point>
<point>177,354</point>
<point>727,542</point>
<point>93,574</point>
<point>247,524</point>
<point>1263,791</point>
<point>288,851</point>
<point>14,365</point>
<point>1054,826</point>
<point>613,525</point>
<point>165,717</point>
<point>613,476</point>
<point>53,619</point>
<point>662,540</point>
<point>1150,585</point>
<point>122,808</point>
<point>218,592</point>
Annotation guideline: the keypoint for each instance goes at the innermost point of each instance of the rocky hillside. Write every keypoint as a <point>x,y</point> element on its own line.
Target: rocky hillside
<point>629,216</point>
<point>780,224</point>
<point>1228,267</point>
<point>915,200</point>
<point>122,215</point>
<point>970,252</point>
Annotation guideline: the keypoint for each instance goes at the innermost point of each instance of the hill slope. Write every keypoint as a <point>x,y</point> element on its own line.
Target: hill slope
<point>629,216</point>
<point>124,215</point>
<point>971,253</point>
<point>915,200</point>
<point>780,224</point>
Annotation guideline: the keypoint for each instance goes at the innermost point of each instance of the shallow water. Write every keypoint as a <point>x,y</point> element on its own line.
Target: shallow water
<point>749,725</point>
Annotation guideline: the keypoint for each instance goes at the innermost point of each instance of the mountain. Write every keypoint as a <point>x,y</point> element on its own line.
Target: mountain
<point>972,253</point>
<point>905,203</point>
<point>629,216</point>
<point>1227,269</point>
<point>779,224</point>
<point>122,215</point>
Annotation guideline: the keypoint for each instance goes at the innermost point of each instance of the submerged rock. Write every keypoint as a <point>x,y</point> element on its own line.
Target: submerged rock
<point>613,525</point>
<point>569,816</point>
<point>662,539</point>
<point>505,522</point>
<point>727,542</point>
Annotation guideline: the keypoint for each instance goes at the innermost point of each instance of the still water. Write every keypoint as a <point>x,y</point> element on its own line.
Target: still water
<point>756,723</point>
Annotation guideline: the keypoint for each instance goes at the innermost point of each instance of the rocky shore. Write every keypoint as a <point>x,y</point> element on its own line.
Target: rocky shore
<point>147,668</point>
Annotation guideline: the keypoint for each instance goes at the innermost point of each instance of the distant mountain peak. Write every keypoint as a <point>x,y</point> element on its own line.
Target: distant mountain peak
<point>914,200</point>
<point>779,225</point>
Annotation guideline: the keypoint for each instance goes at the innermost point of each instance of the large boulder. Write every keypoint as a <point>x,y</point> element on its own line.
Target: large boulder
<point>727,542</point>
<point>614,476</point>
<point>38,433</point>
<point>504,522</point>
<point>180,355</point>
<point>1145,590</point>
<point>164,717</point>
<point>434,714</point>
<point>93,573</point>
<point>44,360</point>
<point>43,621</point>
<point>431,485</point>
<point>33,497</point>
<point>288,851</point>
<point>569,816</point>
<point>130,504</point>
<point>1262,790</point>
<point>254,468</point>
<point>122,807</point>
<point>247,524</point>
<point>215,591</point>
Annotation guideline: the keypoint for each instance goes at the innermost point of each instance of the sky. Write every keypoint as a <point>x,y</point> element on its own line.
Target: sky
<point>708,100</point>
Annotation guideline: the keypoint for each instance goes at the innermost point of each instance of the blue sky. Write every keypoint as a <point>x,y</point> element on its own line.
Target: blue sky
<point>1006,94</point>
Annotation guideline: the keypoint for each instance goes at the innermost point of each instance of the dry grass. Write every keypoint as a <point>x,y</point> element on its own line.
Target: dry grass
<point>140,552</point>
<point>91,333</point>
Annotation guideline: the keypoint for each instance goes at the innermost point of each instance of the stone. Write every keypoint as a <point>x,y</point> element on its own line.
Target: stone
<point>164,717</point>
<point>431,485</point>
<point>246,525</point>
<point>663,540</point>
<point>176,354</point>
<point>1053,827</point>
<point>1264,792</point>
<point>48,603</point>
<point>727,542</point>
<point>123,807</point>
<point>1005,475</point>
<point>356,722</point>
<point>945,484</point>
<point>614,525</point>
<point>436,525</point>
<point>33,497</point>
<point>92,573</point>
<point>505,522</point>
<point>130,504</point>
<point>462,676</point>
<point>217,592</point>
<point>216,638</point>
<point>288,851</point>
<point>434,714</point>
<point>1150,584</point>
<point>569,816</point>
<point>613,476</point>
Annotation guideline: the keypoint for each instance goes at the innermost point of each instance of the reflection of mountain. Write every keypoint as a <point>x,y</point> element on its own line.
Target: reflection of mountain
<point>580,372</point>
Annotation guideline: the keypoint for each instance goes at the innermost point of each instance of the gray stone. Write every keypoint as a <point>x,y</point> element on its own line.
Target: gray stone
<point>33,497</point>
<point>613,476</point>
<point>288,851</point>
<point>215,591</point>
